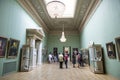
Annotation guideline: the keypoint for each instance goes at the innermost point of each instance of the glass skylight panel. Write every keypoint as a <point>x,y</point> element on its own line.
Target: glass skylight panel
<point>69,7</point>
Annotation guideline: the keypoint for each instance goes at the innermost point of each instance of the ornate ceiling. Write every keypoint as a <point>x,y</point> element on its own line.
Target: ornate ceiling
<point>37,9</point>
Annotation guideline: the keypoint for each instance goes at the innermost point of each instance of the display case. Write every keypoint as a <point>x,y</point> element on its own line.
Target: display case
<point>85,54</point>
<point>96,58</point>
<point>25,58</point>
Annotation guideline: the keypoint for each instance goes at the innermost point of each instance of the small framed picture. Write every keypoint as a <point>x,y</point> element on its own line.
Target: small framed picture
<point>3,46</point>
<point>117,41</point>
<point>13,47</point>
<point>111,50</point>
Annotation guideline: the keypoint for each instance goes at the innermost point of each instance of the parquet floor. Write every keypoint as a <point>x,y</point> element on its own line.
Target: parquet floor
<point>53,72</point>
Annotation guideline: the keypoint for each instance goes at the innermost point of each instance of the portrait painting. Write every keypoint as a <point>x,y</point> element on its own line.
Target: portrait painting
<point>13,47</point>
<point>111,50</point>
<point>3,46</point>
<point>117,41</point>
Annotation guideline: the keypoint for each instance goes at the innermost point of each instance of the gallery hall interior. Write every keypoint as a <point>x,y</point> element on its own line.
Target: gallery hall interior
<point>59,39</point>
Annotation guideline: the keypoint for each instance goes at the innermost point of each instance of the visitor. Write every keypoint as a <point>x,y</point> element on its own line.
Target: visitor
<point>74,59</point>
<point>50,57</point>
<point>61,60</point>
<point>66,59</point>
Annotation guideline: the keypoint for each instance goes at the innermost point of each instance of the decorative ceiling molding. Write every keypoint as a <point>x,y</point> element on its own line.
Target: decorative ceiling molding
<point>54,24</point>
<point>37,10</point>
<point>66,32</point>
<point>90,11</point>
<point>81,9</point>
<point>26,4</point>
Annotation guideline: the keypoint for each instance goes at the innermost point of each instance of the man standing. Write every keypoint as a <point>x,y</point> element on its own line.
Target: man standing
<point>61,60</point>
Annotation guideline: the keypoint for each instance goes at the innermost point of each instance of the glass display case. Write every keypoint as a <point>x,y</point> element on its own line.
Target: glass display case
<point>85,54</point>
<point>25,58</point>
<point>96,58</point>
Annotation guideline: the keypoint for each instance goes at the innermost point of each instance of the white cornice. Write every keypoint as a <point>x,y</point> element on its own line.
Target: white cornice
<point>90,11</point>
<point>33,13</point>
<point>66,32</point>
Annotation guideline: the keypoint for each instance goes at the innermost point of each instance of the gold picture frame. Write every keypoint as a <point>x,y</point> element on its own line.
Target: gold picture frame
<point>13,47</point>
<point>117,41</point>
<point>111,50</point>
<point>3,46</point>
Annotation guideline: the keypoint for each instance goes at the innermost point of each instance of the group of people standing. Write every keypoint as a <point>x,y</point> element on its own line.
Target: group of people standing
<point>77,58</point>
<point>63,58</point>
<point>52,58</point>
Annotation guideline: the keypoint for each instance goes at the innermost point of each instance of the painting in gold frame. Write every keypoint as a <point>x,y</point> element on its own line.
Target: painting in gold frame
<point>111,50</point>
<point>13,47</point>
<point>117,41</point>
<point>3,46</point>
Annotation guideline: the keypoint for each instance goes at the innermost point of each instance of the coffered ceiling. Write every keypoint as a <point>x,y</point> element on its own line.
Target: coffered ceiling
<point>37,10</point>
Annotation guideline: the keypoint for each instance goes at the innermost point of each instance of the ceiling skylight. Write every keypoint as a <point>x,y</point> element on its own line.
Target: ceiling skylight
<point>69,7</point>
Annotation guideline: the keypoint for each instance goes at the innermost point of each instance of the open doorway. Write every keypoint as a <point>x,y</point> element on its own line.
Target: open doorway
<point>75,50</point>
<point>68,50</point>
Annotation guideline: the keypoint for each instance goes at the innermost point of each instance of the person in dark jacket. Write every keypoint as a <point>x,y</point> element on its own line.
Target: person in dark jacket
<point>66,59</point>
<point>74,59</point>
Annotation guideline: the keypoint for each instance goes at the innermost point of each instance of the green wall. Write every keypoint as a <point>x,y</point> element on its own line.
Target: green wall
<point>13,23</point>
<point>104,27</point>
<point>44,46</point>
<point>54,41</point>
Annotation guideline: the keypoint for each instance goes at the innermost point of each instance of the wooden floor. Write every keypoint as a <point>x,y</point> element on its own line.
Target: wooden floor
<point>53,72</point>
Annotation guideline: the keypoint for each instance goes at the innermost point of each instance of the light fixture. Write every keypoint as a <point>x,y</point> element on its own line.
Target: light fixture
<point>55,8</point>
<point>63,39</point>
